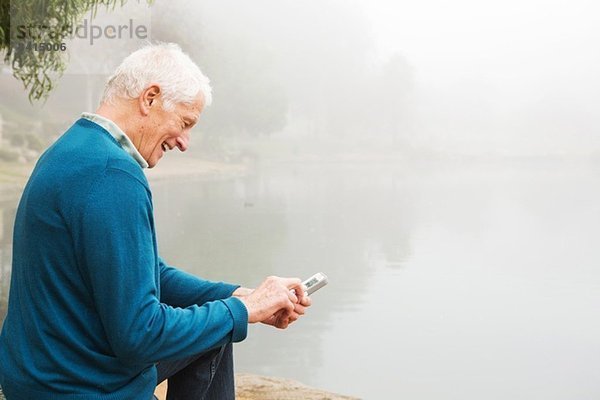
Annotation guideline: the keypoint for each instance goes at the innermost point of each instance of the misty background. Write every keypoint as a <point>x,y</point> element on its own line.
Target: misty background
<point>438,160</point>
<point>429,79</point>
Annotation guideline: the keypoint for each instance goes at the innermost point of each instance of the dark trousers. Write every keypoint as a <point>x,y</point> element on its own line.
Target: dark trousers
<point>208,376</point>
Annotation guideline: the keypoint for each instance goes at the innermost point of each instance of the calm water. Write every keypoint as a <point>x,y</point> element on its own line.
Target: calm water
<point>456,283</point>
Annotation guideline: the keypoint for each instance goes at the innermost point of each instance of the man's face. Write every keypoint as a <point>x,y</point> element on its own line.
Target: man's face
<point>167,130</point>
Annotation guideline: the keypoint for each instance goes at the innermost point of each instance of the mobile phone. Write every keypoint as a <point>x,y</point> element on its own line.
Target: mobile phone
<point>315,282</point>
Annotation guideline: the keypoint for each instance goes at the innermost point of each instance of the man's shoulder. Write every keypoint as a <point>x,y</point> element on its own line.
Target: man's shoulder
<point>83,158</point>
<point>87,150</point>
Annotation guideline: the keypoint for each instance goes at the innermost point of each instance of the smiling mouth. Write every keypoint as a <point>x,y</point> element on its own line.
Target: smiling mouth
<point>165,147</point>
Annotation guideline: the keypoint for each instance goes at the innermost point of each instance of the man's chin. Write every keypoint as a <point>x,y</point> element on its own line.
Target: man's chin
<point>152,163</point>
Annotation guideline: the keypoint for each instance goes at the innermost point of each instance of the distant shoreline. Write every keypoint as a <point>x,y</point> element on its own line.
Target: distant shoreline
<point>194,168</point>
<point>13,176</point>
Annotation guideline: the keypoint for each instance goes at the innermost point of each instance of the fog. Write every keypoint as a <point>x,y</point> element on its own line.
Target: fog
<point>516,77</point>
<point>437,159</point>
<point>429,78</point>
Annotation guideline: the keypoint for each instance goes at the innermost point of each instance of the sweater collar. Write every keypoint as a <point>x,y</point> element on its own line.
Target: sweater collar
<point>118,134</point>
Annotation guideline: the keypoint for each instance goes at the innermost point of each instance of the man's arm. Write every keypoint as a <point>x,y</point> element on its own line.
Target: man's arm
<point>181,289</point>
<point>118,259</point>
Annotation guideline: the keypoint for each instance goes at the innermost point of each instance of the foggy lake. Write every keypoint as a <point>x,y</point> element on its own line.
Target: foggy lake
<point>465,282</point>
<point>462,282</point>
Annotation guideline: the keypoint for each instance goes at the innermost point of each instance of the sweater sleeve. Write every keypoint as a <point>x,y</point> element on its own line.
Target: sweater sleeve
<point>180,289</point>
<point>118,257</point>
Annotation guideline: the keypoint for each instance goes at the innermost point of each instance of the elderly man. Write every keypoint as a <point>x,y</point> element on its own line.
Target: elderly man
<point>94,312</point>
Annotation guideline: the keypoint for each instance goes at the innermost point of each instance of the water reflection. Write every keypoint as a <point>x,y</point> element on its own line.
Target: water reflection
<point>291,221</point>
<point>444,282</point>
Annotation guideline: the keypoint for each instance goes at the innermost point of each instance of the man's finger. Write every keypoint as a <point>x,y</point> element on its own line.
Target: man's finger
<point>291,283</point>
<point>282,322</point>
<point>299,309</point>
<point>292,296</point>
<point>306,301</point>
<point>301,293</point>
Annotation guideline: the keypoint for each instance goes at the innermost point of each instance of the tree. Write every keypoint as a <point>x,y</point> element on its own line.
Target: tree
<point>32,37</point>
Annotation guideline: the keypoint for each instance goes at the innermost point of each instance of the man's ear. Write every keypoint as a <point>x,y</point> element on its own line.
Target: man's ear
<point>148,98</point>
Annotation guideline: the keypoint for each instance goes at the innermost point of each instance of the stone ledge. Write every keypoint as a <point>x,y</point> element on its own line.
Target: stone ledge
<point>257,387</point>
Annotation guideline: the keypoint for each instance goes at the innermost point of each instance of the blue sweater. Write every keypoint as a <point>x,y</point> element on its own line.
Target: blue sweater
<point>92,307</point>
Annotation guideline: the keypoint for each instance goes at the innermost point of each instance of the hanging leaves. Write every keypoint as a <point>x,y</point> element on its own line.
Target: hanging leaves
<point>32,38</point>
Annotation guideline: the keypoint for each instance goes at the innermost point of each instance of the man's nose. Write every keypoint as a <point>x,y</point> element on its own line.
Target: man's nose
<point>183,141</point>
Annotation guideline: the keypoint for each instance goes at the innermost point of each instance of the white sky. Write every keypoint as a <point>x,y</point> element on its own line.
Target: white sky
<point>515,37</point>
<point>539,59</point>
<point>520,75</point>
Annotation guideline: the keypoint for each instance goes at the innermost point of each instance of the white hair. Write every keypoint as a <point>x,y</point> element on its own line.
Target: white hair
<point>165,64</point>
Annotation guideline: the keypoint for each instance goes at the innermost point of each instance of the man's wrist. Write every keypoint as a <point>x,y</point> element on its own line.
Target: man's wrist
<point>242,292</point>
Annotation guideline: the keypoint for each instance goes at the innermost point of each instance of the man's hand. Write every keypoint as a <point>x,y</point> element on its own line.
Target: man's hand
<point>276,301</point>
<point>282,319</point>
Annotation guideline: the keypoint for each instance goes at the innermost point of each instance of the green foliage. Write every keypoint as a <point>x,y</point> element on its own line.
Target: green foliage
<point>45,21</point>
